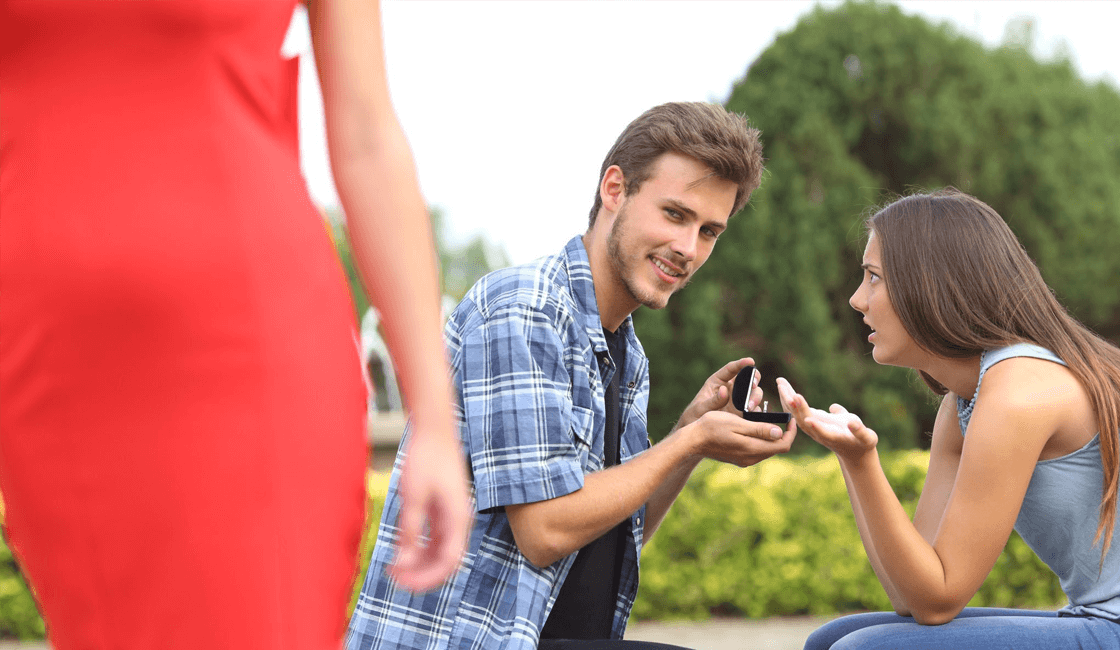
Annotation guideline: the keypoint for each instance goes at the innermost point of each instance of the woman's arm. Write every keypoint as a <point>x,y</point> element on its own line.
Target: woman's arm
<point>393,248</point>
<point>897,603</point>
<point>1016,413</point>
<point>945,454</point>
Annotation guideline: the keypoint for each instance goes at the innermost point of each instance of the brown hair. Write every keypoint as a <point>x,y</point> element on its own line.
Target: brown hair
<point>961,283</point>
<point>721,140</point>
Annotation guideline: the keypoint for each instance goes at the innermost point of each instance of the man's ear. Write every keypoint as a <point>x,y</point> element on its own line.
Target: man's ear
<point>612,189</point>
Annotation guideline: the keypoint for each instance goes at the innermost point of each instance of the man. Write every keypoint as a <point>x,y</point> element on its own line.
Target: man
<point>553,386</point>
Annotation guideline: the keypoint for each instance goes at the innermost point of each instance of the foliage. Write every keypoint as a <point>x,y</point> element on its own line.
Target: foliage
<point>774,539</point>
<point>377,486</point>
<point>779,538</point>
<point>460,265</point>
<point>18,615</point>
<point>341,239</point>
<point>856,103</point>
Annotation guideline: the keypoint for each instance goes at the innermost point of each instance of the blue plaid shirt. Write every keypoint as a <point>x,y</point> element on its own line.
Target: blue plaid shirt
<point>530,367</point>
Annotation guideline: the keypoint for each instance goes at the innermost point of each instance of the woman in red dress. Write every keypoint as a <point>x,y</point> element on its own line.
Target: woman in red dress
<point>181,407</point>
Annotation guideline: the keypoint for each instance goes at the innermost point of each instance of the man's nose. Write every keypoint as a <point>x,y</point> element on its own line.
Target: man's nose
<point>685,243</point>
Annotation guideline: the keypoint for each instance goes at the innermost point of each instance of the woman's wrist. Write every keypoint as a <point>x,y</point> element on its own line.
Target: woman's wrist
<point>858,462</point>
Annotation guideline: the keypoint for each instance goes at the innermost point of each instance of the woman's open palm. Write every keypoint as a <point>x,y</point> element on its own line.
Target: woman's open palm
<point>837,429</point>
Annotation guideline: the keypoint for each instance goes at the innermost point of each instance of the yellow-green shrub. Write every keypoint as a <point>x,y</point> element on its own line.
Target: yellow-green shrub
<point>774,539</point>
<point>377,485</point>
<point>779,538</point>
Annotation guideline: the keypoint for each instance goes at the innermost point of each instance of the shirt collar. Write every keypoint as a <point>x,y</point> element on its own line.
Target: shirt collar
<point>582,286</point>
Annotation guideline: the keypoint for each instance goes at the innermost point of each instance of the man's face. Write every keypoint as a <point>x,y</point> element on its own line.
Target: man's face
<point>666,230</point>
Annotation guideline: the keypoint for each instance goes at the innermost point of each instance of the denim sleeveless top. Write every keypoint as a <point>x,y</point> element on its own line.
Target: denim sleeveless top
<point>1060,510</point>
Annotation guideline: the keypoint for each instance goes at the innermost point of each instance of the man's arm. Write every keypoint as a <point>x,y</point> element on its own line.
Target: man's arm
<point>714,395</point>
<point>549,530</point>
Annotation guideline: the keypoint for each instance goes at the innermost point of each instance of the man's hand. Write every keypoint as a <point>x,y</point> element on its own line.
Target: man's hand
<point>433,489</point>
<point>728,438</point>
<point>715,394</point>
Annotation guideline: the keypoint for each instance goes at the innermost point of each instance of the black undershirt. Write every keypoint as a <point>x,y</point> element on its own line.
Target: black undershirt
<point>585,607</point>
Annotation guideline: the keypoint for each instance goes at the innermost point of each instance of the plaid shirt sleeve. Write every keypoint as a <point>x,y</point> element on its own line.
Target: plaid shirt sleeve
<point>523,433</point>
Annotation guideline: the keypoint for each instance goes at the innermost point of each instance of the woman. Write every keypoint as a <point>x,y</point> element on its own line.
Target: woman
<point>182,412</point>
<point>1026,438</point>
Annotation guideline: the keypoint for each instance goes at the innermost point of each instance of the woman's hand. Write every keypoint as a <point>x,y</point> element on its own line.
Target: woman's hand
<point>840,431</point>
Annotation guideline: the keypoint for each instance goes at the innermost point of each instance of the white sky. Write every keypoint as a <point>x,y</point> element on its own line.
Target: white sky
<point>511,106</point>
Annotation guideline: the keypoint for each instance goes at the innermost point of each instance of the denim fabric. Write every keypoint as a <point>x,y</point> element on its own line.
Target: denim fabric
<point>975,628</point>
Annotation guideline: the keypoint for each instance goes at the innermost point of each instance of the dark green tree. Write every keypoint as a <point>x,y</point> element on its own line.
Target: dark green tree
<point>859,103</point>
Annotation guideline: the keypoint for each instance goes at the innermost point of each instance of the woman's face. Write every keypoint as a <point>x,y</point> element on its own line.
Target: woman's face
<point>892,344</point>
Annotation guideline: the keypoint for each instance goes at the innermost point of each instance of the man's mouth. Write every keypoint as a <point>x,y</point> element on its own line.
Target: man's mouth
<point>670,271</point>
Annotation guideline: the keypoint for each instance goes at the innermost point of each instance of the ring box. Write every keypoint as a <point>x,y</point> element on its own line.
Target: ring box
<point>775,417</point>
<point>740,393</point>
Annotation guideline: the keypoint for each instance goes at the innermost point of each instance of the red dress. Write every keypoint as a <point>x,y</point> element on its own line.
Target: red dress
<point>181,402</point>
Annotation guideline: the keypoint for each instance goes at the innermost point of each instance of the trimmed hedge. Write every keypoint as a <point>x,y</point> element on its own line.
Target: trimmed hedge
<point>774,539</point>
<point>779,538</point>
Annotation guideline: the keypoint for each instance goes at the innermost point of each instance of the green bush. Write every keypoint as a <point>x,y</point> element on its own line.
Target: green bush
<point>376,488</point>
<point>769,540</point>
<point>18,615</point>
<point>779,539</point>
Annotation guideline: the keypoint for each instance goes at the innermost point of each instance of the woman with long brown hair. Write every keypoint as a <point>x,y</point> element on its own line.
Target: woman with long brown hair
<point>1025,439</point>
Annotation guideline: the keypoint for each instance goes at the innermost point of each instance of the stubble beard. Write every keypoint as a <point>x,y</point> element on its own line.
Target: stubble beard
<point>625,267</point>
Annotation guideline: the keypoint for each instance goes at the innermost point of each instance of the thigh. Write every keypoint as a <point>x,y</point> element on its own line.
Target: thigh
<point>825,636</point>
<point>983,628</point>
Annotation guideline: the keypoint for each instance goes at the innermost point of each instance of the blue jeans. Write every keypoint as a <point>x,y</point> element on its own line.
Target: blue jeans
<point>977,628</point>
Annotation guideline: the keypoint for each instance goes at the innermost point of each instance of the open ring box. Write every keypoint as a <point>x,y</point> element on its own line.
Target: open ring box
<point>740,393</point>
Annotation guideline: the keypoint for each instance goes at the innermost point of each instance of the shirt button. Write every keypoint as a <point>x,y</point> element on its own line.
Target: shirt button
<point>630,385</point>
<point>638,521</point>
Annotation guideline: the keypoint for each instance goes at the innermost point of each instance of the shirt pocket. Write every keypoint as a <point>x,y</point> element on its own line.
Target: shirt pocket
<point>583,431</point>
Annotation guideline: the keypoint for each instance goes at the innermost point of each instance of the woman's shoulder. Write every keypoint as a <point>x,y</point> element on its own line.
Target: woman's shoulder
<point>1033,381</point>
<point>1017,351</point>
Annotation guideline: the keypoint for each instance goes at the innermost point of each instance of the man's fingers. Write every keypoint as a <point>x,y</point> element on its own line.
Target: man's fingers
<point>760,430</point>
<point>720,397</point>
<point>729,370</point>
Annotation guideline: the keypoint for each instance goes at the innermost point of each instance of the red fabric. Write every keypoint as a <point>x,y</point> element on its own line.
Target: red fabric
<point>181,404</point>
